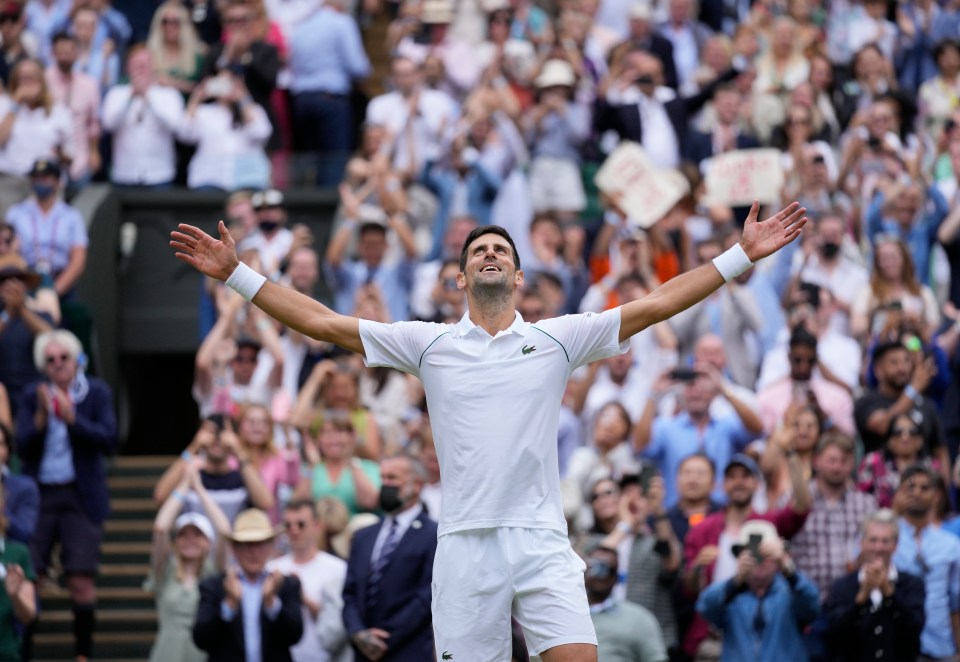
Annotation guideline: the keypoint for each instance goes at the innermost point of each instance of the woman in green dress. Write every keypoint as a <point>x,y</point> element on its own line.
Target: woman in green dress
<point>180,559</point>
<point>178,54</point>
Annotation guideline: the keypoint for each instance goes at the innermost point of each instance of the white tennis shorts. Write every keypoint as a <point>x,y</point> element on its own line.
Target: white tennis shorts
<point>482,576</point>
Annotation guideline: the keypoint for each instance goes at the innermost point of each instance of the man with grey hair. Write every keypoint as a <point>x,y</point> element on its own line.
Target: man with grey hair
<point>66,427</point>
<point>875,612</point>
<point>390,570</point>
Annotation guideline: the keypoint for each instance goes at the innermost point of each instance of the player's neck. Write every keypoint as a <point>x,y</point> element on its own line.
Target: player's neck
<point>493,316</point>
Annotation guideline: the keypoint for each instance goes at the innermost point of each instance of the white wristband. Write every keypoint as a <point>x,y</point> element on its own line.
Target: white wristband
<point>732,263</point>
<point>245,281</point>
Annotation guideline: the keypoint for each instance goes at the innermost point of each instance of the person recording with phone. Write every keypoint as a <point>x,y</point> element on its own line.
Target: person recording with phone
<point>764,608</point>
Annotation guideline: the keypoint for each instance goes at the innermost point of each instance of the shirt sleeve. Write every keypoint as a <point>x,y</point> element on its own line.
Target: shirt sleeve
<point>78,231</point>
<point>400,345</point>
<point>586,337</point>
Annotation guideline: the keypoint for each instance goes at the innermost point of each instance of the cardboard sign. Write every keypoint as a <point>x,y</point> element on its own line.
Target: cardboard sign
<point>745,175</point>
<point>644,192</point>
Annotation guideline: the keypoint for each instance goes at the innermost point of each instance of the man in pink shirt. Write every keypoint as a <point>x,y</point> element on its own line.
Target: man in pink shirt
<point>80,92</point>
<point>803,385</point>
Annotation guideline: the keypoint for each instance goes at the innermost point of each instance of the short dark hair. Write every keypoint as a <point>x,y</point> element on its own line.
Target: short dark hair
<point>367,228</point>
<point>885,348</point>
<point>62,35</point>
<point>479,232</point>
<point>800,337</point>
<point>297,504</point>
<point>699,456</point>
<point>918,469</point>
<point>837,439</point>
<point>606,550</point>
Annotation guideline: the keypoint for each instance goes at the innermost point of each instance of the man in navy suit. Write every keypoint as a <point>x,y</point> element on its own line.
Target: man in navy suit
<point>386,598</point>
<point>726,135</point>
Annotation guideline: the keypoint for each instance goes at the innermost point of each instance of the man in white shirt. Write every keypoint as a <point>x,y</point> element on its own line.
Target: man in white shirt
<point>272,240</point>
<point>494,385</point>
<point>143,117</point>
<point>321,577</point>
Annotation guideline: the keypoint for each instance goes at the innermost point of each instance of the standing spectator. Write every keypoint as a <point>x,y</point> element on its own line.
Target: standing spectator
<point>14,47</point>
<point>98,57</point>
<point>18,595</point>
<point>927,551</point>
<point>46,18</point>
<point>696,476</point>
<point>389,573</point>
<point>321,576</point>
<point>80,93</point>
<point>880,470</point>
<point>53,235</point>
<point>21,497</point>
<point>783,67</point>
<point>272,240</point>
<point>763,609</point>
<point>796,436</point>
<point>875,609</point>
<point>727,134</point>
<point>22,319</point>
<point>66,427</point>
<point>176,569</point>
<point>805,386</point>
<point>177,52</point>
<point>143,117</point>
<point>326,59</point>
<point>32,127</point>
<point>249,613</point>
<point>279,469</point>
<point>823,547</point>
<point>230,131</point>
<point>626,632</point>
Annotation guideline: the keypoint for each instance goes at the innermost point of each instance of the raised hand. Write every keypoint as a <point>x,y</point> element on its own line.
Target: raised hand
<point>213,257</point>
<point>763,238</point>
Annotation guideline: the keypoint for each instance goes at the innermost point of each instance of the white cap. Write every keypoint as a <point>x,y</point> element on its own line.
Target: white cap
<point>197,520</point>
<point>556,72</point>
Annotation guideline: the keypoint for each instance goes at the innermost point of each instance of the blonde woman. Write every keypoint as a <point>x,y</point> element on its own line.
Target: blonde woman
<point>177,51</point>
<point>783,66</point>
<point>276,468</point>
<point>179,560</point>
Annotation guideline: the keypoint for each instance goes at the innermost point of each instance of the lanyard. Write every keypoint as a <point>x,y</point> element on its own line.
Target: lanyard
<point>44,266</point>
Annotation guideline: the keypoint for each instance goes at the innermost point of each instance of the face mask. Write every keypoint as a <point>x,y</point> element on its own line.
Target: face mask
<point>390,501</point>
<point>43,191</point>
<point>269,226</point>
<point>829,249</point>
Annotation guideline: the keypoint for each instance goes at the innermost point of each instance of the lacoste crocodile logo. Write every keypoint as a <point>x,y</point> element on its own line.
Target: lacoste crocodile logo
<point>447,655</point>
<point>526,350</point>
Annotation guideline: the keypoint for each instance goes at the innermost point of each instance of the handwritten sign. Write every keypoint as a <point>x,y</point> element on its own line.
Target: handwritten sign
<point>745,175</point>
<point>643,191</point>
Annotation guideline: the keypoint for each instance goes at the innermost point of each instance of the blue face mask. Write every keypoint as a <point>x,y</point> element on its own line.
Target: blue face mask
<point>43,191</point>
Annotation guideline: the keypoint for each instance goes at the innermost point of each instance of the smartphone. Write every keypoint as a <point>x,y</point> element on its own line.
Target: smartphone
<point>683,374</point>
<point>873,142</point>
<point>754,546</point>
<point>647,474</point>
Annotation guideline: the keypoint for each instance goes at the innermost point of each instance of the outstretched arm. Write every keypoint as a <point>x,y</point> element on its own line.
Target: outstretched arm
<point>759,240</point>
<point>218,259</point>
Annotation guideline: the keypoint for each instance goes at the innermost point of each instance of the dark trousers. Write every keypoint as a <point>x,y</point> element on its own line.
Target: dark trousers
<point>323,132</point>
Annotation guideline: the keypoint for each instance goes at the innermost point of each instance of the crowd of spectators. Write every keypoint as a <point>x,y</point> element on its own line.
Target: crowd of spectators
<point>813,400</point>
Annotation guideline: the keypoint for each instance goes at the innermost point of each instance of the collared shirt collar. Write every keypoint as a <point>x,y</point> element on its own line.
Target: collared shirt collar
<point>466,325</point>
<point>406,518</point>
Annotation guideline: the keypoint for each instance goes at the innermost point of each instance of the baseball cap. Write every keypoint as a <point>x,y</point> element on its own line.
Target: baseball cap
<point>745,461</point>
<point>44,168</point>
<point>197,520</point>
<point>269,198</point>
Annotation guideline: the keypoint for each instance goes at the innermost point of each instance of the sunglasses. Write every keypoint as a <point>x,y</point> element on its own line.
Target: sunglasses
<point>57,358</point>
<point>605,493</point>
<point>900,432</point>
<point>600,569</point>
<point>299,525</point>
<point>170,21</point>
<point>9,18</point>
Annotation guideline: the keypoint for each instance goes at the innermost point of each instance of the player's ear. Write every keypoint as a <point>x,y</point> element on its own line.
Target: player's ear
<point>461,281</point>
<point>519,278</point>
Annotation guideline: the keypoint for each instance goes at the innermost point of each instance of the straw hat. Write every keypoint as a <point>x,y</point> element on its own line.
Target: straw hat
<point>12,265</point>
<point>253,525</point>
<point>556,73</point>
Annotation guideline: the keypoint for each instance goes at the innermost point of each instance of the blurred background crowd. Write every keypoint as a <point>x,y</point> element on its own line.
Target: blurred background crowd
<point>814,399</point>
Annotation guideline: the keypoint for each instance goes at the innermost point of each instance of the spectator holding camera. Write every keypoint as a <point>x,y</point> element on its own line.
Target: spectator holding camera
<point>214,445</point>
<point>764,608</point>
<point>177,566</point>
<point>143,117</point>
<point>66,427</point>
<point>230,131</point>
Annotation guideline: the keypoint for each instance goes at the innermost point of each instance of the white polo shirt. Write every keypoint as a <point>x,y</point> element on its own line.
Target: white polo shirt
<point>494,407</point>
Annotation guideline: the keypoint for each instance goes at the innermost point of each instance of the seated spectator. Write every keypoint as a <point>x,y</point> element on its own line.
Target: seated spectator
<point>875,612</point>
<point>322,577</point>
<point>217,448</point>
<point>880,470</point>
<point>447,300</point>
<point>248,613</point>
<point>801,428</point>
<point>175,48</point>
<point>27,313</point>
<point>335,390</point>
<point>805,386</point>
<point>764,608</point>
<point>143,117</point>
<point>334,471</point>
<point>230,131</point>
<point>53,235</point>
<point>625,630</point>
<point>66,428</point>
<point>177,569</point>
<point>32,127</point>
<point>894,286</point>
<point>80,93</point>
<point>276,467</point>
<point>21,497</point>
<point>606,503</point>
<point>98,54</point>
<point>666,441</point>
<point>18,595</point>
<point>273,241</point>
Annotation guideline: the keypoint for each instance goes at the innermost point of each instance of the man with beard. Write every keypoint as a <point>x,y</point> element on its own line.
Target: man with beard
<point>386,598</point>
<point>927,551</point>
<point>494,385</point>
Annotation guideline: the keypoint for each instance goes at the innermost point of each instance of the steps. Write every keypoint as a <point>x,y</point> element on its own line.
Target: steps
<point>126,619</point>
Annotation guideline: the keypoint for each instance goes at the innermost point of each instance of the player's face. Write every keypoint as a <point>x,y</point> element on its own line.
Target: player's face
<point>490,266</point>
